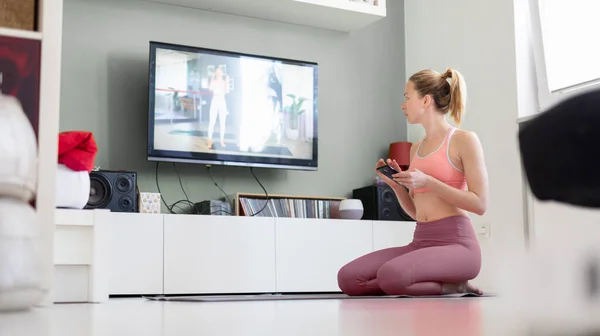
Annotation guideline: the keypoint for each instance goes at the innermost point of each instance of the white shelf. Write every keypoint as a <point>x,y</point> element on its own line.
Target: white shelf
<point>340,15</point>
<point>28,34</point>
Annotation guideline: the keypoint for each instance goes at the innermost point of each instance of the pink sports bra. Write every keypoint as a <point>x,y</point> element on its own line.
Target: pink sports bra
<point>438,165</point>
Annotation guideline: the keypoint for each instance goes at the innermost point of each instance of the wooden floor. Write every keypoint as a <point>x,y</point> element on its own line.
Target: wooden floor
<point>398,317</point>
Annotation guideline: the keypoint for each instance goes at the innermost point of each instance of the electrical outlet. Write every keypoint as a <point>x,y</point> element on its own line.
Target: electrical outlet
<point>483,229</point>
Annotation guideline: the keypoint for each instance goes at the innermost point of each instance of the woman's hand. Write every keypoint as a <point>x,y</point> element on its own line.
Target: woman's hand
<point>412,179</point>
<point>391,163</point>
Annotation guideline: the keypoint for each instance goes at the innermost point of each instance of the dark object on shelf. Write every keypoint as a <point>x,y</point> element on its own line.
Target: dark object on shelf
<point>214,207</point>
<point>380,203</point>
<point>18,14</point>
<point>113,190</point>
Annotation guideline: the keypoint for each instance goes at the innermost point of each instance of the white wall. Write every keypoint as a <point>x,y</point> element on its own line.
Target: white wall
<point>478,39</point>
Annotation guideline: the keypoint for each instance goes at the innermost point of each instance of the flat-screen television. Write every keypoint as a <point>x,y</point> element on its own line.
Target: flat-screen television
<point>227,108</point>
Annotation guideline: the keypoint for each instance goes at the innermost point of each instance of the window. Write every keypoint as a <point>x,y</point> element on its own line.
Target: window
<point>566,48</point>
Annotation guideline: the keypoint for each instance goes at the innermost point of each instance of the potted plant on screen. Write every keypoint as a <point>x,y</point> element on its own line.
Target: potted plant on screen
<point>294,110</point>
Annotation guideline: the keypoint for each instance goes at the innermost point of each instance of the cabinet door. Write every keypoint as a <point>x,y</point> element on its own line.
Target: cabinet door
<point>310,252</point>
<point>391,234</point>
<point>219,254</point>
<point>137,253</point>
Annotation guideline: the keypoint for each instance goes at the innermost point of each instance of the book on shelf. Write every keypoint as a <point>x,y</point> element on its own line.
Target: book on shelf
<point>289,207</point>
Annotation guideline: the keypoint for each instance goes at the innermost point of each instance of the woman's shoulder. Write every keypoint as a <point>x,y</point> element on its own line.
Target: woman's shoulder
<point>465,139</point>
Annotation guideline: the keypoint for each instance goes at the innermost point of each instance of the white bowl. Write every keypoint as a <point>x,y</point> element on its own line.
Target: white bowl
<point>351,209</point>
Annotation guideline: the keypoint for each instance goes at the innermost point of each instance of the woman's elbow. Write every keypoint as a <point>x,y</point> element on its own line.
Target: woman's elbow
<point>480,209</point>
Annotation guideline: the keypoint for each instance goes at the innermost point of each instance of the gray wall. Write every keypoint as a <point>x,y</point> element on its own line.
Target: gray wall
<point>104,90</point>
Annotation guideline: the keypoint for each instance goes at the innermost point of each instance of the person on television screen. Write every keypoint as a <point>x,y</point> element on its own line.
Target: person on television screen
<point>219,86</point>
<point>276,96</point>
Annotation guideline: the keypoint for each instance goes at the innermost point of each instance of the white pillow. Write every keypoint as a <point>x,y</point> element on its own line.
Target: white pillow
<point>21,256</point>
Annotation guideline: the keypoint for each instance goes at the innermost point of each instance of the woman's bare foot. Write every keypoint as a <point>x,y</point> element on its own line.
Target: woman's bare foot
<point>463,287</point>
<point>470,288</point>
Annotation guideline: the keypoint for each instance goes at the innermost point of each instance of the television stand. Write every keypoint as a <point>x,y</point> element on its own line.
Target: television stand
<point>164,254</point>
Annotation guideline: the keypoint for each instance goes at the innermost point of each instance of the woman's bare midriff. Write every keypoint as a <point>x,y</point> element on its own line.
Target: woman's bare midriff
<point>430,208</point>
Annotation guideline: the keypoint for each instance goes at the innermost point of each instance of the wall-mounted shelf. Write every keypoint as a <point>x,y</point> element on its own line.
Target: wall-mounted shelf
<point>340,15</point>
<point>28,34</point>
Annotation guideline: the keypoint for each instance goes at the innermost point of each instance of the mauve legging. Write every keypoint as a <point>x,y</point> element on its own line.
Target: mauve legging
<point>442,251</point>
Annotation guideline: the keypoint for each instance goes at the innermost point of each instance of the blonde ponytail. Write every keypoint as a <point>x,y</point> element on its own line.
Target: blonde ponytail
<point>448,91</point>
<point>458,95</point>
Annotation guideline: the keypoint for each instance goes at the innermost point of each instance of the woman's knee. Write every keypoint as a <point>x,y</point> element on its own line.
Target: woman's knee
<point>393,280</point>
<point>346,277</point>
<point>348,280</point>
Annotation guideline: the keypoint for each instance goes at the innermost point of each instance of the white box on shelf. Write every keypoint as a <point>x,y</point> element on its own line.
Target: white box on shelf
<point>149,203</point>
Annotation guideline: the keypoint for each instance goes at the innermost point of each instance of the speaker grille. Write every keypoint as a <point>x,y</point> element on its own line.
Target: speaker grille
<point>126,203</point>
<point>124,184</point>
<point>100,191</point>
<point>113,190</point>
<point>380,203</point>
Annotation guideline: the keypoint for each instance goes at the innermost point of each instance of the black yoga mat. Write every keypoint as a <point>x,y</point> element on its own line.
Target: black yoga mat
<point>270,297</point>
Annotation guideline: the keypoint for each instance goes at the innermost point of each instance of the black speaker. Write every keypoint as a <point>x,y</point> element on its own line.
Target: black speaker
<point>380,203</point>
<point>113,190</point>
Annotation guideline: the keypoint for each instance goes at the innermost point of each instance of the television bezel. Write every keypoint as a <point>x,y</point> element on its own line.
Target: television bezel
<point>239,160</point>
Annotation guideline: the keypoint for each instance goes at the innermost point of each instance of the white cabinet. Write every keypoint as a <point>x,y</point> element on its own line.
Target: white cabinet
<point>310,251</point>
<point>136,253</point>
<point>147,254</point>
<point>392,234</point>
<point>340,15</point>
<point>218,254</point>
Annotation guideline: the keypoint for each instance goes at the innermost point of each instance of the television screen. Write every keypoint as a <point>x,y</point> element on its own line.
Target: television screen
<point>220,107</point>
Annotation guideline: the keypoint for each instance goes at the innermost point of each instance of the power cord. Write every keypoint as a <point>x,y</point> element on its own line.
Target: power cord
<point>263,188</point>
<point>194,209</point>
<point>194,205</point>
<point>176,204</point>
<point>217,185</point>
<point>227,197</point>
<point>180,183</point>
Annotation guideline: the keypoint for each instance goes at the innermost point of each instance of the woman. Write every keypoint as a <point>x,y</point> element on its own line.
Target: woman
<point>446,180</point>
